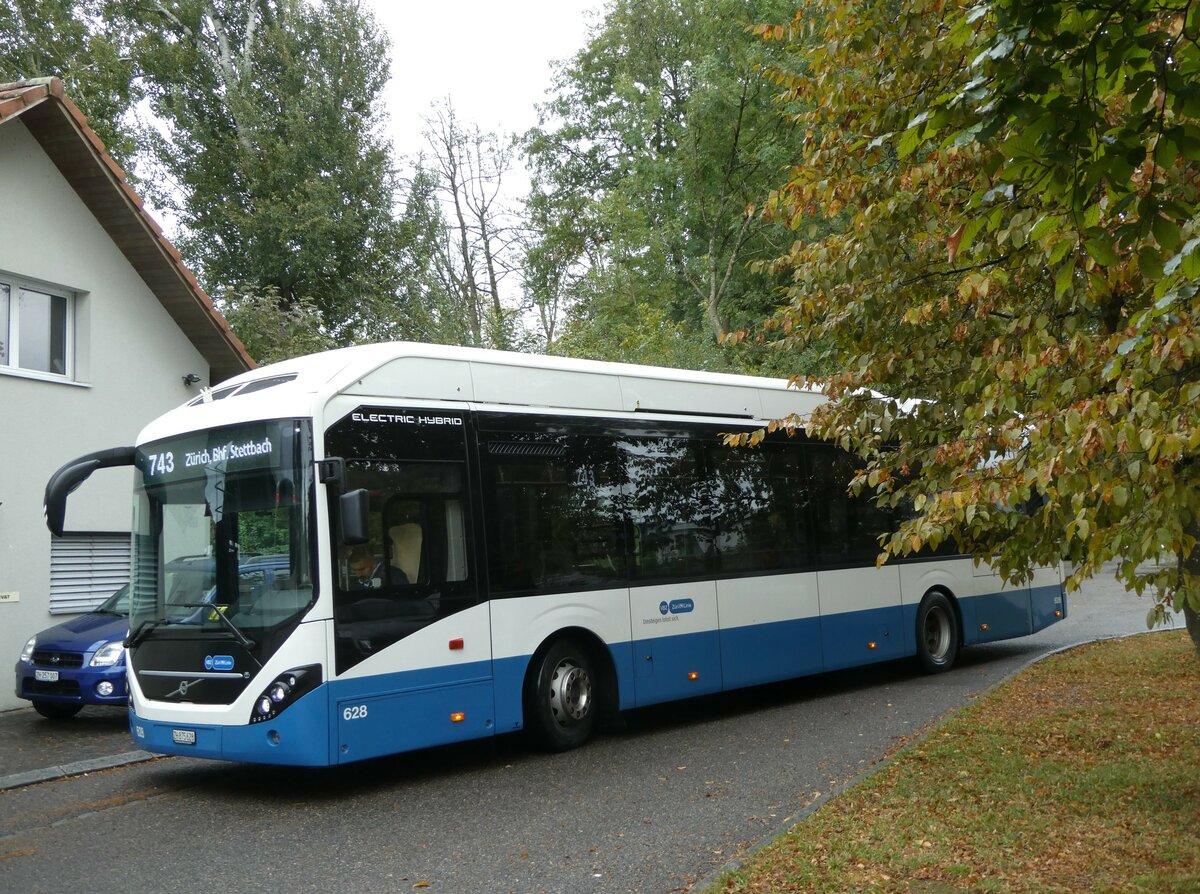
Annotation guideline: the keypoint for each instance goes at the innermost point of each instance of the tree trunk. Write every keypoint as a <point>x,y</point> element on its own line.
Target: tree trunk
<point>1190,565</point>
<point>1192,619</point>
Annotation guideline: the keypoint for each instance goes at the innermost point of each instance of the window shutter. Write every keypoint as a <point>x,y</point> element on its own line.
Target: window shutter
<point>85,569</point>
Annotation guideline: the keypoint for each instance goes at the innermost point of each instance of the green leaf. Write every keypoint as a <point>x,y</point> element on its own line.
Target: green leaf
<point>1150,264</point>
<point>1043,226</point>
<point>1063,279</point>
<point>909,141</point>
<point>970,230</point>
<point>1101,249</point>
<point>1188,249</point>
<point>1166,231</point>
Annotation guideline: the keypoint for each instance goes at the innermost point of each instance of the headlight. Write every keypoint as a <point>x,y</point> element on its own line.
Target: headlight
<point>27,652</point>
<point>285,689</point>
<point>109,654</point>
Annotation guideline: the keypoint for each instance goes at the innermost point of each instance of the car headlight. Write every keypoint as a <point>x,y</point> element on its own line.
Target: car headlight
<point>109,654</point>
<point>27,652</point>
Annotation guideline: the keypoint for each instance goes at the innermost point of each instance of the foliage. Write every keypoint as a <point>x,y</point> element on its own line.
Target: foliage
<point>273,330</point>
<point>67,39</point>
<point>272,157</point>
<point>659,134</point>
<point>1014,190</point>
<point>425,311</point>
<point>1077,776</point>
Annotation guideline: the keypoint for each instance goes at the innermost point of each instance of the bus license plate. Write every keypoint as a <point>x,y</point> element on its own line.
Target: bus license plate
<point>45,676</point>
<point>183,736</point>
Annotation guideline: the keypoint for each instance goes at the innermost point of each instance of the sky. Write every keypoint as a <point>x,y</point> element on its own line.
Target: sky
<point>492,59</point>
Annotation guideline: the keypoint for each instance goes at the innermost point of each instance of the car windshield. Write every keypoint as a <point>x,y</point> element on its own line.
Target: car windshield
<point>117,603</point>
<point>222,543</point>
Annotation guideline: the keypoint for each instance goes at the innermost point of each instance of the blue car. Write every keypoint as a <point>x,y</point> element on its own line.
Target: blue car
<point>82,660</point>
<point>78,662</point>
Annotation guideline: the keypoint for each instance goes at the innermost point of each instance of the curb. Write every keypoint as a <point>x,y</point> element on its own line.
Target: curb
<point>76,768</point>
<point>703,885</point>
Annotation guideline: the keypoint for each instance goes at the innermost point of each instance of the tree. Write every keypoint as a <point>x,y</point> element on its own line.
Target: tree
<point>425,310</point>
<point>68,39</point>
<point>272,157</point>
<point>658,137</point>
<point>273,330</point>
<point>1014,190</point>
<point>477,252</point>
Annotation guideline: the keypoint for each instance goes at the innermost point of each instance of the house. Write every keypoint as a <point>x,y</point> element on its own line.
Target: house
<point>102,328</point>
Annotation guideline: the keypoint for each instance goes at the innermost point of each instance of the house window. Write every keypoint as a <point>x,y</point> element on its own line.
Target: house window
<point>35,328</point>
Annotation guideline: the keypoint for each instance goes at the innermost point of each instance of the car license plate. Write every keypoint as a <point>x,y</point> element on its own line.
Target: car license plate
<point>46,676</point>
<point>183,736</point>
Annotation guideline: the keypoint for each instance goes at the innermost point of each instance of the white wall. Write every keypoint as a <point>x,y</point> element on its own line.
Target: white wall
<point>130,363</point>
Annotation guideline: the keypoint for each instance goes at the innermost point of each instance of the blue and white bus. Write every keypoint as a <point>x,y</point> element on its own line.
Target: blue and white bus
<point>481,542</point>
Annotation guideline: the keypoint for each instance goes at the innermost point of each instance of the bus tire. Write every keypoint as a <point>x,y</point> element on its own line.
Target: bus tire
<point>938,639</point>
<point>57,710</point>
<point>561,703</point>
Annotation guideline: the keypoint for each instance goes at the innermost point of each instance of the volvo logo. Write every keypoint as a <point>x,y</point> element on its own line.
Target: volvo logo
<point>183,688</point>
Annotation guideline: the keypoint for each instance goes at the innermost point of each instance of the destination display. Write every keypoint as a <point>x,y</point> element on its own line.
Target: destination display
<point>235,449</point>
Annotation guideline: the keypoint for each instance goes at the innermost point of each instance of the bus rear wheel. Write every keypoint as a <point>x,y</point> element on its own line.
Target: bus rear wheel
<point>561,701</point>
<point>937,633</point>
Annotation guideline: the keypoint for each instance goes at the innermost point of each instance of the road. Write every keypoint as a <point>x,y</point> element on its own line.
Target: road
<point>653,807</point>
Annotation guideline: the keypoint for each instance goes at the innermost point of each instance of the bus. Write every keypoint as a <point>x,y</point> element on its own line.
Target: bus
<point>470,543</point>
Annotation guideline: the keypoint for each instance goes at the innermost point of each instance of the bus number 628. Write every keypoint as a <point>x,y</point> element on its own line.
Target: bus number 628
<point>354,712</point>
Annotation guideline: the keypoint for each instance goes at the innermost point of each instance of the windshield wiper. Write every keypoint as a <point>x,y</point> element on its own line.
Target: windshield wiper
<point>233,628</point>
<point>143,631</point>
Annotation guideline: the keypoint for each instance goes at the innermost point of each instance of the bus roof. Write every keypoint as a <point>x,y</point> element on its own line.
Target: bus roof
<point>442,373</point>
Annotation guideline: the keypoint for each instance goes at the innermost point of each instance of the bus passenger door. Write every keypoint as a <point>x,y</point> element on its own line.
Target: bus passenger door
<point>676,642</point>
<point>861,616</point>
<point>413,654</point>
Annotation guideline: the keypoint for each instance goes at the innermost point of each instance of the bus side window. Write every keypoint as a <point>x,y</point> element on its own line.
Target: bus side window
<point>848,526</point>
<point>673,508</point>
<point>555,513</point>
<point>762,509</point>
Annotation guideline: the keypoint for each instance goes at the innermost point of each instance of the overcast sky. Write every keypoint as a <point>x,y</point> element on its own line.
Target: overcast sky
<point>491,58</point>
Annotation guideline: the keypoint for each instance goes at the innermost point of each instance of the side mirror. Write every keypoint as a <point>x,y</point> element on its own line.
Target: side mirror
<point>355,509</point>
<point>63,482</point>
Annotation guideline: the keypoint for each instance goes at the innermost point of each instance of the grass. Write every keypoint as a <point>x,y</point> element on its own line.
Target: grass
<point>1081,774</point>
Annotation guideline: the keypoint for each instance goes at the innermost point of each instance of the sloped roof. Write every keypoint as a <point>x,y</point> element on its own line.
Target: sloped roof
<point>63,132</point>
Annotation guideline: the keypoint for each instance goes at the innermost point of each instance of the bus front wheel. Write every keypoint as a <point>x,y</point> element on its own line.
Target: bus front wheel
<point>561,703</point>
<point>937,633</point>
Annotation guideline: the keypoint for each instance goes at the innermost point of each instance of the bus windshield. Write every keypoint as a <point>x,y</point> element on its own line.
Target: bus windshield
<point>222,542</point>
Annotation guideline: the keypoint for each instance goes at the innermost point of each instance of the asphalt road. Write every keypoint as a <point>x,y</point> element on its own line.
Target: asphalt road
<point>654,807</point>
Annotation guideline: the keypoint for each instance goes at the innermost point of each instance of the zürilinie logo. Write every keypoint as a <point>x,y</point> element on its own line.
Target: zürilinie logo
<point>669,609</point>
<point>218,662</point>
